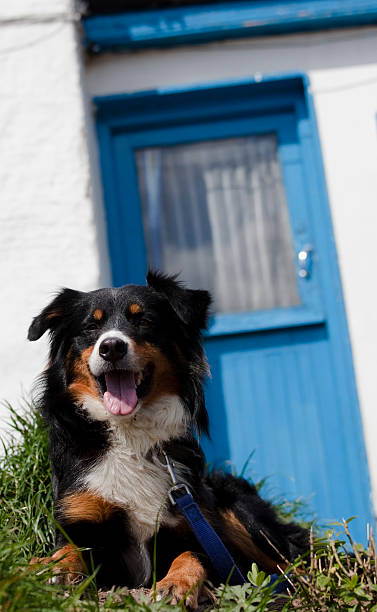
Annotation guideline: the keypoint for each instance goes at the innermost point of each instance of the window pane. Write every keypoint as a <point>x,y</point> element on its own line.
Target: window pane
<point>216,213</point>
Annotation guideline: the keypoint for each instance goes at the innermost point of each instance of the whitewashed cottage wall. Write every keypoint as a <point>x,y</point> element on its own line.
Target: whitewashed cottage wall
<point>51,225</point>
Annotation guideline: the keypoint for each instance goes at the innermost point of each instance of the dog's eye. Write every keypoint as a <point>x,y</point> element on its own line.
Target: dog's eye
<point>91,327</point>
<point>143,322</point>
<point>139,320</point>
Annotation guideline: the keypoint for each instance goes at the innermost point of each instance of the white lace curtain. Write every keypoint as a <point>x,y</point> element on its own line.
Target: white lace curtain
<point>216,213</point>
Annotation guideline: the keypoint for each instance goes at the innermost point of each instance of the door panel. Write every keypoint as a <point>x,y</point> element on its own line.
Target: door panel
<point>233,202</point>
<point>276,396</point>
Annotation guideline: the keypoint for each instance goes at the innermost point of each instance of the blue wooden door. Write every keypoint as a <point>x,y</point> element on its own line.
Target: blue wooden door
<point>227,192</point>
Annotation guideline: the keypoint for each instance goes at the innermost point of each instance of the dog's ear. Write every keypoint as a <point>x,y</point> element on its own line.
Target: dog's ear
<point>51,316</point>
<point>191,305</point>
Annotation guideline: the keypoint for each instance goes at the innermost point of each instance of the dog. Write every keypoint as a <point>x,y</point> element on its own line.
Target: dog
<point>124,383</point>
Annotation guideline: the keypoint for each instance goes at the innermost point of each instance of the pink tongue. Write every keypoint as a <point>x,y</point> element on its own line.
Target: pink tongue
<point>120,397</point>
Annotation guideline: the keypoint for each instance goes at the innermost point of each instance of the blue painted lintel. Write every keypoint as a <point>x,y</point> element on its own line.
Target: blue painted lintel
<point>205,23</point>
<point>268,87</point>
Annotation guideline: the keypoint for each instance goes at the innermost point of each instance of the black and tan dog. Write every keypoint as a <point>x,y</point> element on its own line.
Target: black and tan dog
<point>124,381</point>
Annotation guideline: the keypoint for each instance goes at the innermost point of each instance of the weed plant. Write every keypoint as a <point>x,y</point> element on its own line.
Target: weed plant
<point>331,578</point>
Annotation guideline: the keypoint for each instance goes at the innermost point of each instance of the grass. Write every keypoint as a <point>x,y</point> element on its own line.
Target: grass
<point>332,578</point>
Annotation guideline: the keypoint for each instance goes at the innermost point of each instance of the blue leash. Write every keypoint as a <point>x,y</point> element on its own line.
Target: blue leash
<point>207,537</point>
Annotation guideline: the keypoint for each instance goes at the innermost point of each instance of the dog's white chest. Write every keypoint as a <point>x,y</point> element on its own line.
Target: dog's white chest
<point>135,484</point>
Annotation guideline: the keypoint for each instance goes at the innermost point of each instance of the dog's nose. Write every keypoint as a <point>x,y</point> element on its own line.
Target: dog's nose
<point>113,349</point>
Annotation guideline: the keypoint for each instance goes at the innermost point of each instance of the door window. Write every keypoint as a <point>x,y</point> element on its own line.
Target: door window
<point>216,212</point>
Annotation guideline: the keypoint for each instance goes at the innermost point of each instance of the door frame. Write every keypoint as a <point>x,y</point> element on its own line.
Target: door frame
<point>268,94</point>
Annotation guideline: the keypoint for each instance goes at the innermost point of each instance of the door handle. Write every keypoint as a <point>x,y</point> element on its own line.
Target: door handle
<point>305,261</point>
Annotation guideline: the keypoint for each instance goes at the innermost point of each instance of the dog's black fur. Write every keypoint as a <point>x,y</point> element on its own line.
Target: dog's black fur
<point>100,501</point>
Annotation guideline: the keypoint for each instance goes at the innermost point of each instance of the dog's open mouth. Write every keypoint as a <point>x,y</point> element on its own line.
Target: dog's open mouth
<point>122,389</point>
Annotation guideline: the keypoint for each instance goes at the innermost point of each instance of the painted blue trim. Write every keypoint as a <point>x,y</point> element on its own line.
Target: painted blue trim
<point>227,20</point>
<point>161,104</point>
<point>263,320</point>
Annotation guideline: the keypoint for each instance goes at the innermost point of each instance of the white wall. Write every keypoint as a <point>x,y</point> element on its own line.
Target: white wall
<point>51,225</point>
<point>342,67</point>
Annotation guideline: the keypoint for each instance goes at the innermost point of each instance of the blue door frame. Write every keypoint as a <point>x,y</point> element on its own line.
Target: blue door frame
<point>163,117</point>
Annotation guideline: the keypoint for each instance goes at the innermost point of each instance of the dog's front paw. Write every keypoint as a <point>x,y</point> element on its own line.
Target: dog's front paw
<point>184,581</point>
<point>178,589</point>
<point>66,565</point>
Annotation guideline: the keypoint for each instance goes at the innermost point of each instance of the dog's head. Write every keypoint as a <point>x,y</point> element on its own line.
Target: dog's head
<point>121,351</point>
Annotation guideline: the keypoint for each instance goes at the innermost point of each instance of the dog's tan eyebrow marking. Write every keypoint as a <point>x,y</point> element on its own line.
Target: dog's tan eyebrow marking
<point>98,314</point>
<point>135,309</point>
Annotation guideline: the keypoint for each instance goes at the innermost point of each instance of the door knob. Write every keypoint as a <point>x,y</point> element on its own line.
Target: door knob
<point>304,258</point>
